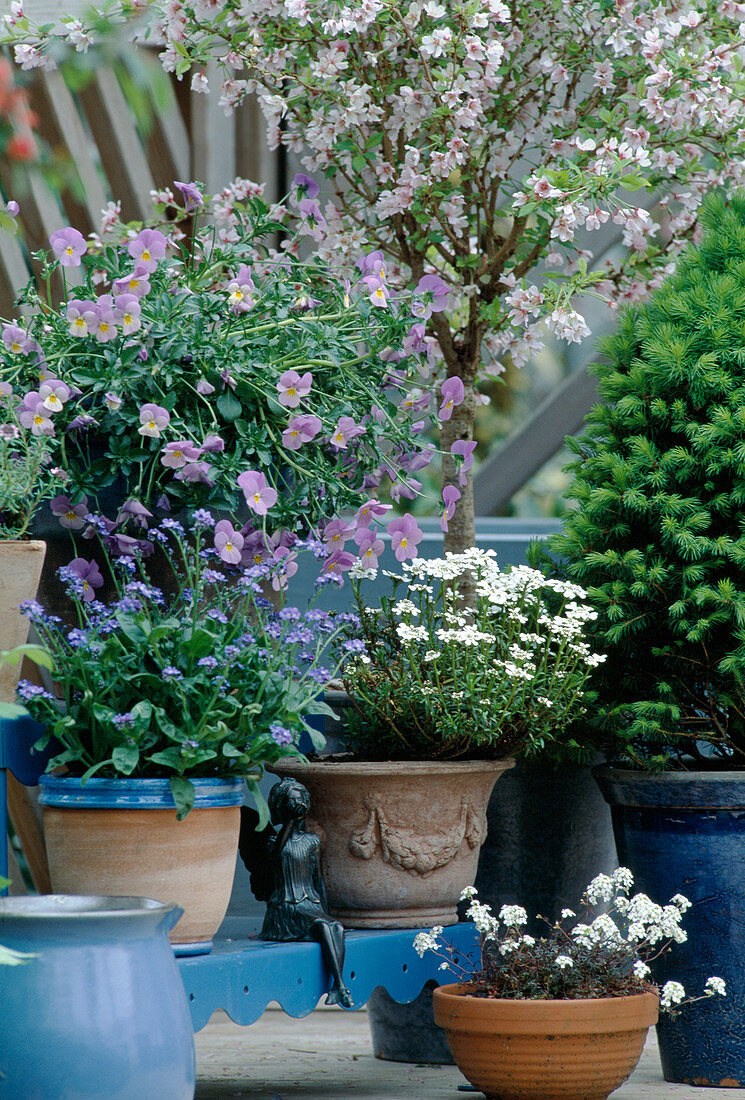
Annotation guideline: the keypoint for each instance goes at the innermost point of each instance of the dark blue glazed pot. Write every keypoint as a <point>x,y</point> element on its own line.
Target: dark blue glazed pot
<point>684,832</point>
<point>100,1011</point>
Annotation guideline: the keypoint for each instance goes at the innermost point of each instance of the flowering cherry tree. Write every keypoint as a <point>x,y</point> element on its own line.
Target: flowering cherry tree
<point>482,145</point>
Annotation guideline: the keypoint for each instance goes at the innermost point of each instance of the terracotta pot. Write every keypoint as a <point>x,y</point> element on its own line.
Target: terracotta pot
<point>121,837</point>
<point>20,569</point>
<point>400,840</point>
<point>555,1050</point>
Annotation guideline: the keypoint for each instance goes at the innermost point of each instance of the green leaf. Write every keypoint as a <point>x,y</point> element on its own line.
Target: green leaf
<point>126,758</point>
<point>182,790</point>
<point>229,406</point>
<point>9,957</point>
<point>260,803</point>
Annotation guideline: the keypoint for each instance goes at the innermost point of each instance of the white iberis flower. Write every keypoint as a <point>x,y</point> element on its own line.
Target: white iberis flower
<point>715,987</point>
<point>563,962</point>
<point>672,994</point>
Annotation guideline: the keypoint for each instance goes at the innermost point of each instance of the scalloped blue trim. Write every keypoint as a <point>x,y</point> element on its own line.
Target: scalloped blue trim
<point>242,976</point>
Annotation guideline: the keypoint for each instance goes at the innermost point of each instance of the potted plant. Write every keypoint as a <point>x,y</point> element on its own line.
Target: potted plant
<point>657,540</point>
<point>564,1015</point>
<point>442,694</point>
<point>27,477</point>
<point>167,706</point>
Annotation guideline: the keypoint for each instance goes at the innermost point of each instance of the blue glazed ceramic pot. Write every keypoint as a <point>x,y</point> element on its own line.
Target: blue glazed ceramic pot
<point>121,837</point>
<point>684,832</point>
<point>100,1011</point>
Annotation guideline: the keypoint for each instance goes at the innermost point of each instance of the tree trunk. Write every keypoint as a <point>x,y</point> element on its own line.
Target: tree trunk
<point>461,532</point>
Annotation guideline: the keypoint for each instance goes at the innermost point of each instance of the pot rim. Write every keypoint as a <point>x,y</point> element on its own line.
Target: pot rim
<point>681,790</point>
<point>130,792</point>
<point>80,906</point>
<point>460,1011</point>
<point>411,767</point>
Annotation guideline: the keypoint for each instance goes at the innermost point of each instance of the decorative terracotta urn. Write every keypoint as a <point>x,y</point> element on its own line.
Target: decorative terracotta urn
<point>555,1050</point>
<point>400,840</point>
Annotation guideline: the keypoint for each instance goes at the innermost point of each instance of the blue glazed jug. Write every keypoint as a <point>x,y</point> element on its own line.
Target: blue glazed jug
<point>100,1010</point>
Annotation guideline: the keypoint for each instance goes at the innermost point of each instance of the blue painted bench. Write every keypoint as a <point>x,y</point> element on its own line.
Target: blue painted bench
<point>243,974</point>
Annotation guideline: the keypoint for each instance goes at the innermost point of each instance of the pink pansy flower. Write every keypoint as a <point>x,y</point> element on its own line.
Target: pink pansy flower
<point>369,545</point>
<point>71,516</point>
<point>204,388</point>
<point>127,313</point>
<point>301,429</point>
<point>452,392</point>
<point>337,532</point>
<point>405,536</point>
<point>241,290</point>
<point>345,430</point>
<point>284,566</point>
<point>90,577</point>
<point>197,473</point>
<point>136,282</point>
<point>147,248</point>
<point>306,186</point>
<point>113,402</point>
<point>53,393</point>
<point>17,340</point>
<point>193,197</point>
<point>212,445</point>
<point>450,496</point>
<point>176,455</point>
<point>371,264</point>
<point>293,387</point>
<point>255,549</point>
<point>68,246</point>
<point>153,418</point>
<point>464,448</point>
<point>81,314</point>
<point>228,542</point>
<point>260,497</point>
<point>369,511</point>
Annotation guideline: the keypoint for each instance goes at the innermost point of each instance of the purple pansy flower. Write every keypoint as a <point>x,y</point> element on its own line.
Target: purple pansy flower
<point>432,292</point>
<point>337,532</point>
<point>137,282</point>
<point>193,197</point>
<point>127,313</point>
<point>153,418</point>
<point>406,490</point>
<point>305,186</point>
<point>452,392</point>
<point>112,401</point>
<point>260,497</point>
<point>371,264</point>
<point>81,422</point>
<point>32,414</point>
<point>204,388</point>
<point>284,566</point>
<point>450,496</point>
<point>17,340</point>
<point>337,563</point>
<point>213,444</point>
<point>103,323</point>
<point>135,511</point>
<point>53,393</point>
<point>228,542</point>
<point>176,455</point>
<point>71,516</point>
<point>369,545</point>
<point>293,387</point>
<point>301,429</point>
<point>312,220</point>
<point>464,449</point>
<point>195,472</point>
<point>345,430</point>
<point>147,248</point>
<point>81,314</point>
<point>405,536</point>
<point>377,291</point>
<point>413,342</point>
<point>372,509</point>
<point>90,577</point>
<point>241,291</point>
<point>68,246</point>
<point>12,208</point>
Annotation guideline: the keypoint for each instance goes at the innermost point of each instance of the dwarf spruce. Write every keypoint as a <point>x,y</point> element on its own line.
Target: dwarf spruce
<point>658,537</point>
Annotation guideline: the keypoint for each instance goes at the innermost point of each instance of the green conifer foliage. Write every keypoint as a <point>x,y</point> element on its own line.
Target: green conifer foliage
<point>658,538</point>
